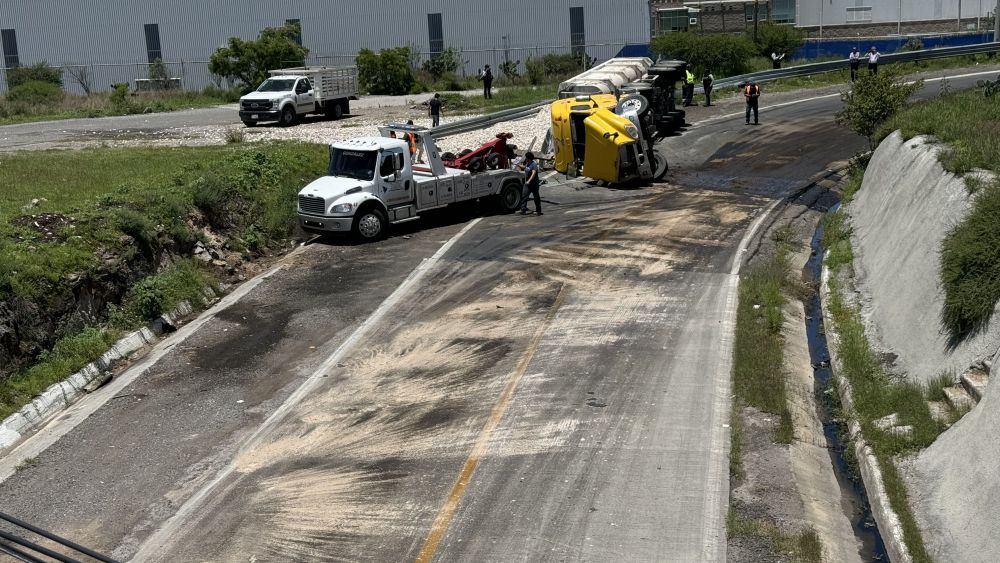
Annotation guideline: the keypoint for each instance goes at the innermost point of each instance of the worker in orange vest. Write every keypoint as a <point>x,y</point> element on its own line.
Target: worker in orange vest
<point>411,140</point>
<point>752,93</point>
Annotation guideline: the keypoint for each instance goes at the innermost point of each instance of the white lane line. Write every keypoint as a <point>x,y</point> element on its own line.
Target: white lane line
<point>64,422</point>
<point>825,96</point>
<point>717,495</point>
<point>162,538</point>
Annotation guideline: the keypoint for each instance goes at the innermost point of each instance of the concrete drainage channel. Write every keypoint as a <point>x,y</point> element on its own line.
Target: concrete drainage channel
<point>853,491</point>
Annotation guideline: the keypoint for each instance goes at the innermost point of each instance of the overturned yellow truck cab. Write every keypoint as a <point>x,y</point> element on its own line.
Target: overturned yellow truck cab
<point>602,136</point>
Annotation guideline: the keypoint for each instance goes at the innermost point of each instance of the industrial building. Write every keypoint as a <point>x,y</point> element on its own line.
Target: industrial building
<point>116,40</point>
<point>825,18</point>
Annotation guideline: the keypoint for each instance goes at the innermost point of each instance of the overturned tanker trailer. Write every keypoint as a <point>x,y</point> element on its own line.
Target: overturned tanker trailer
<point>609,119</point>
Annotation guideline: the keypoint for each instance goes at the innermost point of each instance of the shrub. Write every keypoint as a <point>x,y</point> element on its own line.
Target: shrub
<point>249,61</point>
<point>385,72</point>
<point>36,92</point>
<point>724,55</point>
<point>554,66</point>
<point>38,72</point>
<point>970,266</point>
<point>444,63</point>
<point>119,94</point>
<point>137,226</point>
<point>874,99</point>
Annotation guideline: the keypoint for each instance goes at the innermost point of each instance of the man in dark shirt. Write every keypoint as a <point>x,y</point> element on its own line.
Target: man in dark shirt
<point>487,78</point>
<point>434,109</point>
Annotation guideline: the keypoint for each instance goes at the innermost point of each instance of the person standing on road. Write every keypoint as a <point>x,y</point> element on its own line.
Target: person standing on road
<point>752,93</point>
<point>487,79</point>
<point>434,109</point>
<point>855,60</point>
<point>688,87</point>
<point>873,56</point>
<point>531,184</point>
<point>706,84</point>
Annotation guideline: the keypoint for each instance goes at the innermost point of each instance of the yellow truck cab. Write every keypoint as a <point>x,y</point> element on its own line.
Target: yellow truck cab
<point>603,137</point>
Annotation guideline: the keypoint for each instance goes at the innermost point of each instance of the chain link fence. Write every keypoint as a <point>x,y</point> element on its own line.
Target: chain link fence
<point>194,75</point>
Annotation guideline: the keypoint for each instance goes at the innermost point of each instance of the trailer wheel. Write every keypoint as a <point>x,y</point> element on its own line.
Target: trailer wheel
<point>448,156</point>
<point>493,161</point>
<point>288,116</point>
<point>509,198</point>
<point>464,152</point>
<point>660,166</point>
<point>477,165</point>
<point>369,224</point>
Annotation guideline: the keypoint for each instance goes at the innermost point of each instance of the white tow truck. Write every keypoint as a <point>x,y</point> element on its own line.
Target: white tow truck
<point>372,182</point>
<point>291,93</point>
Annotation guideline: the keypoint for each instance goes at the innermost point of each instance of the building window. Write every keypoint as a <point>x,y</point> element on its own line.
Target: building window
<point>673,20</point>
<point>859,14</point>
<point>577,31</point>
<point>153,52</point>
<point>782,11</point>
<point>9,40</point>
<point>435,31</point>
<point>761,10</point>
<point>298,30</point>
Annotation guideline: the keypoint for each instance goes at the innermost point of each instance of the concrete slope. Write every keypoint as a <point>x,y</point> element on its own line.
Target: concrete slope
<point>955,485</point>
<point>902,213</point>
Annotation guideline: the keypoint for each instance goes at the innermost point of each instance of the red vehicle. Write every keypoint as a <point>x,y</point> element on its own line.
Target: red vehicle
<point>491,155</point>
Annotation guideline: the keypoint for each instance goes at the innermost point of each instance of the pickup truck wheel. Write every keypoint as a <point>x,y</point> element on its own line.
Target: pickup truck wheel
<point>370,224</point>
<point>338,110</point>
<point>249,123</point>
<point>509,198</point>
<point>288,116</point>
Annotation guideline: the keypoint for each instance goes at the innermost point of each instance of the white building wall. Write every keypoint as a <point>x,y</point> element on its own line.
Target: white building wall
<point>835,12</point>
<point>110,32</point>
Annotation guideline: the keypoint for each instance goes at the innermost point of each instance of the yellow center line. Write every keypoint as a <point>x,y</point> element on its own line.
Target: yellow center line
<point>447,511</point>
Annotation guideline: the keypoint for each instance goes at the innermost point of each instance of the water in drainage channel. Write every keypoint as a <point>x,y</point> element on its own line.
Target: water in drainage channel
<point>852,491</point>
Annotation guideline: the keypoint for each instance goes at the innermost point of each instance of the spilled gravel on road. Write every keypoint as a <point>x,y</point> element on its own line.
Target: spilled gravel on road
<point>358,465</point>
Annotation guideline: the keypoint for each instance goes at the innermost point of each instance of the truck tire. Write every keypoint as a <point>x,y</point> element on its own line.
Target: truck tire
<point>509,198</point>
<point>288,116</point>
<point>369,224</point>
<point>493,161</point>
<point>636,102</point>
<point>476,165</point>
<point>249,123</point>
<point>335,110</point>
<point>660,166</point>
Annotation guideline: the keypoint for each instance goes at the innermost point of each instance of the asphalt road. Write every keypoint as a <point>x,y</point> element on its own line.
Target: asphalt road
<point>542,388</point>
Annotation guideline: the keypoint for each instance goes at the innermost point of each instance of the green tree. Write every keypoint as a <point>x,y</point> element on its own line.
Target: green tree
<point>38,72</point>
<point>386,72</point>
<point>723,54</point>
<point>249,61</point>
<point>873,100</point>
<point>442,64</point>
<point>778,38</point>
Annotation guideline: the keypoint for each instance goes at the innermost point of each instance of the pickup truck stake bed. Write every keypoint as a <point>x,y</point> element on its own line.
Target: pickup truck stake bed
<point>372,182</point>
<point>294,92</point>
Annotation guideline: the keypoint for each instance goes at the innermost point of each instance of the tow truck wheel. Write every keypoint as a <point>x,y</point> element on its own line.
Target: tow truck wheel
<point>509,198</point>
<point>660,166</point>
<point>288,116</point>
<point>370,224</point>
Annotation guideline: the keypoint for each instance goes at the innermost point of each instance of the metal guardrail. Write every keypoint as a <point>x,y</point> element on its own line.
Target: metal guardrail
<point>831,66</point>
<point>30,551</point>
<point>483,121</point>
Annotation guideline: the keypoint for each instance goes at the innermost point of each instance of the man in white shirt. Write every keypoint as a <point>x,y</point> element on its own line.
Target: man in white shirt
<point>855,60</point>
<point>873,56</point>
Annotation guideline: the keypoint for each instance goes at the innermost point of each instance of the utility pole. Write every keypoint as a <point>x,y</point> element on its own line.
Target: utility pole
<point>959,15</point>
<point>756,16</point>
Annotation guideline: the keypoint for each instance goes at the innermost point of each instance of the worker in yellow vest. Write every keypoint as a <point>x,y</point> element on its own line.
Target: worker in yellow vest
<point>688,87</point>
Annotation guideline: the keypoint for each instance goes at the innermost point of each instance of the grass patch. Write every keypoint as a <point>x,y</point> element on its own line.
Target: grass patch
<point>970,265</point>
<point>965,121</point>
<point>802,547</point>
<point>503,98</point>
<point>934,390</point>
<point>72,106</point>
<point>758,357</point>
<point>67,357</point>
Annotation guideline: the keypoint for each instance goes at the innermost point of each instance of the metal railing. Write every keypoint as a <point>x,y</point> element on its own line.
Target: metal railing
<point>832,66</point>
<point>484,121</point>
<point>24,549</point>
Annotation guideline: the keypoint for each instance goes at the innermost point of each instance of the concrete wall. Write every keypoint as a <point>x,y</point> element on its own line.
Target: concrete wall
<point>906,205</point>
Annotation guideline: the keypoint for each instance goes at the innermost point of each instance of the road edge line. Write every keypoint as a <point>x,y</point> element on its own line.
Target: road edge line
<point>162,537</point>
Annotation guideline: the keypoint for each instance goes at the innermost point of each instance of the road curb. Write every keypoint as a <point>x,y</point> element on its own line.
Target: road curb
<point>888,522</point>
<point>60,396</point>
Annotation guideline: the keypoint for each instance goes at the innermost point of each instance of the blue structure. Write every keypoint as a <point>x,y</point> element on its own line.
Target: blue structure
<point>817,48</point>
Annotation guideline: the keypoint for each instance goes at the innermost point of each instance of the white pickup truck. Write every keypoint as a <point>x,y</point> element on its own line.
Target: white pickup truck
<point>372,182</point>
<point>294,92</point>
